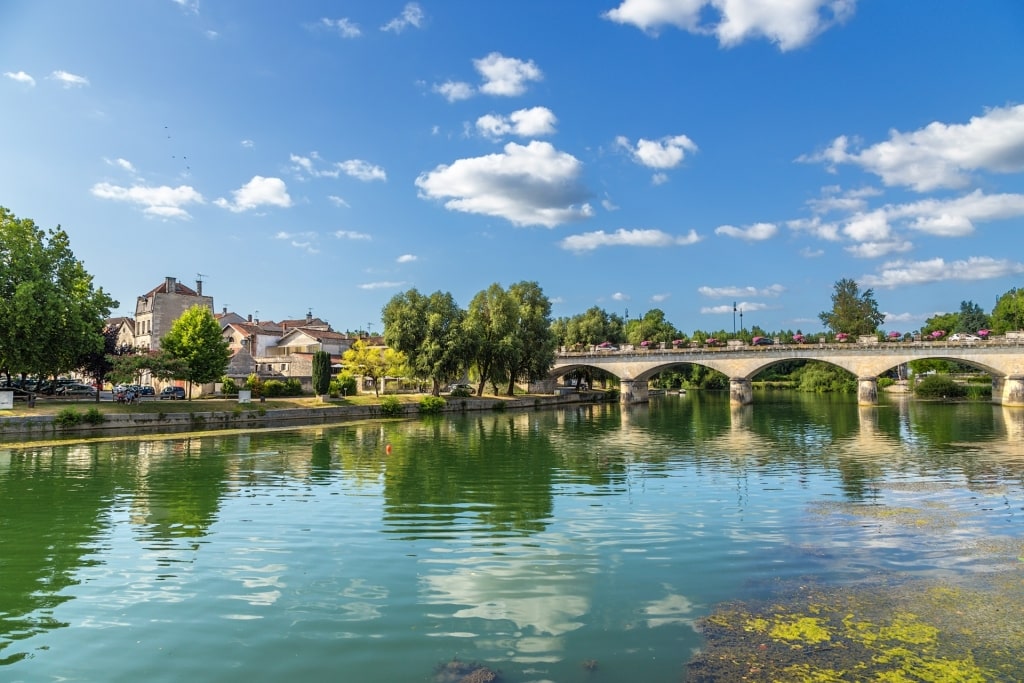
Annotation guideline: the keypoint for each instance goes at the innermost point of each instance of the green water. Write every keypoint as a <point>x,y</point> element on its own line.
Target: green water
<point>573,545</point>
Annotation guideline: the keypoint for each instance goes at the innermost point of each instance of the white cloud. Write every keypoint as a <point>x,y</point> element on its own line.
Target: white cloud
<point>362,170</point>
<point>787,23</point>
<point>754,233</point>
<point>902,317</point>
<point>351,235</point>
<point>737,292</point>
<point>453,91</point>
<point>123,164</point>
<point>877,249</point>
<point>956,217</point>
<point>21,77</point>
<point>69,80</point>
<point>412,15</point>
<point>833,199</point>
<point>248,144</point>
<point>532,122</point>
<point>590,241</point>
<point>901,273</point>
<point>807,252</point>
<point>745,306</point>
<point>257,192</point>
<point>307,241</point>
<point>162,201</point>
<point>659,179</point>
<point>189,5</point>
<point>533,184</point>
<point>338,201</point>
<point>820,229</point>
<point>660,298</point>
<point>619,296</point>
<point>668,152</point>
<point>506,76</point>
<point>407,258</point>
<point>345,27</point>
<point>381,285</point>
<point>939,155</point>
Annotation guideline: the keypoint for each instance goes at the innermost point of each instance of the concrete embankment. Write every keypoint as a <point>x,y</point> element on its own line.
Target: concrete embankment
<point>251,416</point>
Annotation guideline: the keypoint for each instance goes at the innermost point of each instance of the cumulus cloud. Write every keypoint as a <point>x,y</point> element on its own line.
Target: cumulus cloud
<point>879,249</point>
<point>620,296</point>
<point>351,235</point>
<point>590,241</point>
<point>453,91</point>
<point>939,155</point>
<point>737,292</point>
<point>524,123</point>
<point>668,152</point>
<point>835,199</point>
<point>660,298</point>
<point>257,192</point>
<point>506,76</point>
<point>902,273</point>
<point>69,80</point>
<point>412,15</point>
<point>407,258</point>
<point>162,201</point>
<point>753,233</point>
<point>20,77</point>
<point>362,170</point>
<point>533,184</point>
<point>344,27</point>
<point>787,23</point>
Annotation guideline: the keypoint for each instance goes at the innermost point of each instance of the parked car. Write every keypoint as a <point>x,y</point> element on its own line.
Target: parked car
<point>173,393</point>
<point>76,390</point>
<point>963,336</point>
<point>146,390</point>
<point>762,341</point>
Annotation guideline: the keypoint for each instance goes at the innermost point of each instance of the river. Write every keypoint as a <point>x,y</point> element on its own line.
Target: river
<point>671,541</point>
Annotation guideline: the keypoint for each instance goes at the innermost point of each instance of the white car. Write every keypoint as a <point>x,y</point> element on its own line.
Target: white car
<point>964,337</point>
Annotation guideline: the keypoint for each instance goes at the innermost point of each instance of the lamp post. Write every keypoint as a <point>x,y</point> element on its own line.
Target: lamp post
<point>733,318</point>
<point>741,320</point>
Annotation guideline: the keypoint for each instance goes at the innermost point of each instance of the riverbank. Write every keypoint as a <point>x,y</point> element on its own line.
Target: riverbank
<point>85,419</point>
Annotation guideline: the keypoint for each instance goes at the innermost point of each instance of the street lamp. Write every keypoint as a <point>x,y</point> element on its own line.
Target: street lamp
<point>734,318</point>
<point>741,320</point>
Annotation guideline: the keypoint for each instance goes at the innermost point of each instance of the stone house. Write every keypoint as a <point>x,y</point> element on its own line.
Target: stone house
<point>156,311</point>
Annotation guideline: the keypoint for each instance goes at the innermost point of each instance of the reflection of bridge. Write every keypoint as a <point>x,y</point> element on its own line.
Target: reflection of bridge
<point>1003,360</point>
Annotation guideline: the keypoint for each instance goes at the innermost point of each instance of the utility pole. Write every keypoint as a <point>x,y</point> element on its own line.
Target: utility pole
<point>734,318</point>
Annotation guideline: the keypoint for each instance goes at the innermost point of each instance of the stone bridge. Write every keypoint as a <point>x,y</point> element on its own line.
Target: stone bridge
<point>1003,360</point>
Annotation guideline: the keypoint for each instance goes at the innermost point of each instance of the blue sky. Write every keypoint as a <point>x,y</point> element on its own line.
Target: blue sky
<point>630,154</point>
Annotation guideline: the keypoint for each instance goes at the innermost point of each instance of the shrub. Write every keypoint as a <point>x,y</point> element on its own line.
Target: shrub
<point>431,405</point>
<point>229,386</point>
<point>884,382</point>
<point>939,386</point>
<point>293,387</point>
<point>461,392</point>
<point>93,416</point>
<point>979,391</point>
<point>343,385</point>
<point>390,406</point>
<point>254,384</point>
<point>68,417</point>
<point>273,388</point>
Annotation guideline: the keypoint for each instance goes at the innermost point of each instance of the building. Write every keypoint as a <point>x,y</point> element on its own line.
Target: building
<point>156,311</point>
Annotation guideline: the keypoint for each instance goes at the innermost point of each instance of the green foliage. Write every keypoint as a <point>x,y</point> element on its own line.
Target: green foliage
<point>390,406</point>
<point>852,312</point>
<point>461,392</point>
<point>195,340</point>
<point>971,319</point>
<point>822,378</point>
<point>229,386</point>
<point>93,416</point>
<point>343,385</point>
<point>275,388</point>
<point>885,382</point>
<point>1008,313</point>
<point>321,372</point>
<point>920,367</point>
<point>939,386</point>
<point>255,385</point>
<point>67,417</point>
<point>428,330</point>
<point>52,317</point>
<point>430,405</point>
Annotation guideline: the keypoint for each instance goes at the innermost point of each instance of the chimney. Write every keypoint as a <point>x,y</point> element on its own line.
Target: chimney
<point>250,317</point>
<point>225,310</point>
<point>199,287</point>
<point>309,316</point>
<point>170,285</point>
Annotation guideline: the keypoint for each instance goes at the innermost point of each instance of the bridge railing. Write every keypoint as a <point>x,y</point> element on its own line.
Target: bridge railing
<point>841,347</point>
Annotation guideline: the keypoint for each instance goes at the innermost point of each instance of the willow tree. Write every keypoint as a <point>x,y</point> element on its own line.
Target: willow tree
<point>428,330</point>
<point>52,315</point>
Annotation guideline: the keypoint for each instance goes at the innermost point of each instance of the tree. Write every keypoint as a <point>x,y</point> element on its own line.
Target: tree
<point>533,351</point>
<point>428,330</point>
<point>490,327</point>
<point>53,317</point>
<point>366,360</point>
<point>195,340</point>
<point>321,372</point>
<point>1008,313</point>
<point>99,364</point>
<point>852,312</point>
<point>972,318</point>
<point>945,322</point>
<point>651,327</point>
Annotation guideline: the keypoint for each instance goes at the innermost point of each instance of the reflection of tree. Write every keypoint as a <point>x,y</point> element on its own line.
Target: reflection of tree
<point>491,470</point>
<point>51,512</point>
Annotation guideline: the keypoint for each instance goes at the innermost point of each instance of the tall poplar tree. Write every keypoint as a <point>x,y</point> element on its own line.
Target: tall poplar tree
<point>853,312</point>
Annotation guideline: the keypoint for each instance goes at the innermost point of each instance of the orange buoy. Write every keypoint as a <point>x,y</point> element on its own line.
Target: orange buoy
<point>387,449</point>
